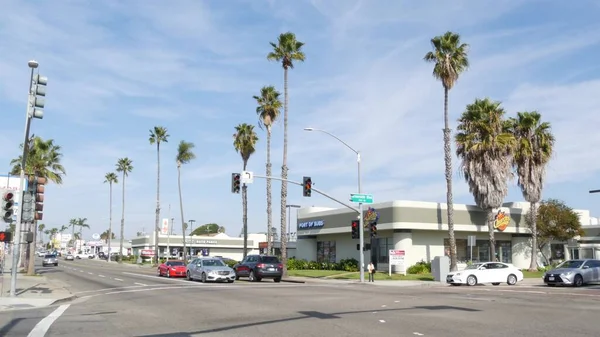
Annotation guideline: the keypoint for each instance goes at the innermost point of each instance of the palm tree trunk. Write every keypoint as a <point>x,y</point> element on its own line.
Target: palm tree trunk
<point>73,237</point>
<point>157,218</point>
<point>490,221</point>
<point>269,197</point>
<point>32,245</point>
<point>122,223</point>
<point>448,173</point>
<point>181,209</point>
<point>534,247</point>
<point>284,169</point>
<point>245,214</point>
<point>109,221</point>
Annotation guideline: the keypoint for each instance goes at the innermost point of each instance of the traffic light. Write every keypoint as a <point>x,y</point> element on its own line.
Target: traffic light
<point>8,202</point>
<point>355,232</point>
<point>373,229</point>
<point>38,91</point>
<point>307,186</point>
<point>5,236</point>
<point>29,237</point>
<point>37,190</point>
<point>235,182</point>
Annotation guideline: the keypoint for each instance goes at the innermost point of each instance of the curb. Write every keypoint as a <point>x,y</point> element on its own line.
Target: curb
<point>292,281</point>
<point>66,299</point>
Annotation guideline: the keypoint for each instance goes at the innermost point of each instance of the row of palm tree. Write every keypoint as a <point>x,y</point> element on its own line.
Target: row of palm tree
<point>124,166</point>
<point>492,148</point>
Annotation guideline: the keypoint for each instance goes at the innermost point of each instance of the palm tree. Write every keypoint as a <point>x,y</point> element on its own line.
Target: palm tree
<point>53,232</point>
<point>244,142</point>
<point>81,223</point>
<point>184,155</point>
<point>110,178</point>
<point>450,58</point>
<point>40,229</point>
<point>43,160</point>
<point>286,50</point>
<point>157,135</point>
<point>73,224</point>
<point>534,144</point>
<point>107,235</point>
<point>268,111</point>
<point>124,166</point>
<point>485,147</point>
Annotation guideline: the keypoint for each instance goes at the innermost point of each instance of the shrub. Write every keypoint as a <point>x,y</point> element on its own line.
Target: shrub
<point>420,267</point>
<point>350,265</point>
<point>231,263</point>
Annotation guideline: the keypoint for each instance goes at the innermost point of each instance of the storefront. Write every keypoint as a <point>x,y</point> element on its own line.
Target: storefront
<point>420,229</point>
<point>217,245</point>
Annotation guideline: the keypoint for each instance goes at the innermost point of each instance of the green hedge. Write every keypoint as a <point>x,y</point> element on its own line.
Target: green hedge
<point>349,265</point>
<point>420,267</point>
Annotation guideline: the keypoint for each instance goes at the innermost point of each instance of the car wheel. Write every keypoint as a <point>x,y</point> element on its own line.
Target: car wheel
<point>203,279</point>
<point>56,264</point>
<point>189,277</point>
<point>230,281</point>
<point>277,279</point>
<point>496,283</point>
<point>511,280</point>
<point>578,281</point>
<point>252,277</point>
<point>158,272</point>
<point>471,280</point>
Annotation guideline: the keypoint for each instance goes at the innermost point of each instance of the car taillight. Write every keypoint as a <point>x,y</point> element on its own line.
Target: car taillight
<point>280,266</point>
<point>260,265</point>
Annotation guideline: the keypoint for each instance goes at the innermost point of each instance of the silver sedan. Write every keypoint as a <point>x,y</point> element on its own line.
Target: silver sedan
<point>574,272</point>
<point>209,269</point>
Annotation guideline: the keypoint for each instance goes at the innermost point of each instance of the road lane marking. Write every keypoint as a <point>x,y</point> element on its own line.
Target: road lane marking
<point>183,280</point>
<point>101,275</point>
<point>187,287</point>
<point>141,284</point>
<point>90,273</point>
<point>117,279</point>
<point>381,321</point>
<point>44,325</point>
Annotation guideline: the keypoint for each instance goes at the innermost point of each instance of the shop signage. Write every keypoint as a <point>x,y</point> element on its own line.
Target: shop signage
<point>201,242</point>
<point>147,252</point>
<point>502,221</point>
<point>311,224</point>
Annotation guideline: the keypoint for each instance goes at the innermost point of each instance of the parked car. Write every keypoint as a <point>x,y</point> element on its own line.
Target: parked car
<point>50,259</point>
<point>209,269</point>
<point>486,272</point>
<point>69,257</point>
<point>173,268</point>
<point>573,272</point>
<point>258,267</point>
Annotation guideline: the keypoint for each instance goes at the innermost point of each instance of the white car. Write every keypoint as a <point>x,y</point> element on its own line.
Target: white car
<point>486,272</point>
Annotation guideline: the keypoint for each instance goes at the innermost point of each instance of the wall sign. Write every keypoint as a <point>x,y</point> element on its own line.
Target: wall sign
<point>311,224</point>
<point>502,221</point>
<point>201,242</point>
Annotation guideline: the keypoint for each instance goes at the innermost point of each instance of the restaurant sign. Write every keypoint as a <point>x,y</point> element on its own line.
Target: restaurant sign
<point>311,224</point>
<point>201,242</point>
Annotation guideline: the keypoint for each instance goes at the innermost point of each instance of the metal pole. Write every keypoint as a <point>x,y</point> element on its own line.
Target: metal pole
<point>169,225</point>
<point>361,235</point>
<point>17,238</point>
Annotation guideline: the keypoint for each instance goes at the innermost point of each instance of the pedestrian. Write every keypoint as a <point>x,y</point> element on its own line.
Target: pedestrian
<point>371,272</point>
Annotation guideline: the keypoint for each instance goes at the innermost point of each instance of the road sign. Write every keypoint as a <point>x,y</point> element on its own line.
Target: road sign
<point>361,198</point>
<point>247,177</point>
<point>96,236</point>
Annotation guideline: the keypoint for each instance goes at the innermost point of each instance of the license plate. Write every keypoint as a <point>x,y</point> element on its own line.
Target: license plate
<point>271,269</point>
<point>551,278</point>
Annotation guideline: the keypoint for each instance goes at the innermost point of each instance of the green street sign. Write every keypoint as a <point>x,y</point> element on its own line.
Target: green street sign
<point>361,198</point>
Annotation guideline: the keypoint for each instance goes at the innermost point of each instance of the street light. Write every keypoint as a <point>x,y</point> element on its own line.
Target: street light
<point>191,226</point>
<point>360,206</point>
<point>17,240</point>
<point>290,217</point>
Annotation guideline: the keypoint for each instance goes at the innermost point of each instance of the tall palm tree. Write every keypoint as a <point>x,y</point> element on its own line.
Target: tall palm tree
<point>184,155</point>
<point>43,160</point>
<point>124,166</point>
<point>268,111</point>
<point>61,230</point>
<point>53,232</point>
<point>110,178</point>
<point>534,144</point>
<point>486,149</point>
<point>107,235</point>
<point>73,224</point>
<point>244,143</point>
<point>286,50</point>
<point>40,229</point>
<point>157,135</point>
<point>81,223</point>
<point>450,58</point>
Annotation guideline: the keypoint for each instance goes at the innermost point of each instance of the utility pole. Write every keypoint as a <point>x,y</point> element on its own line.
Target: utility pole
<point>169,226</point>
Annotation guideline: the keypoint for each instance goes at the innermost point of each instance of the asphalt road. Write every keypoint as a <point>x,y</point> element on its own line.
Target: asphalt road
<point>124,301</point>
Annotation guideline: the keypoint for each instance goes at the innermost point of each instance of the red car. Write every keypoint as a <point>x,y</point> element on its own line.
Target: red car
<point>172,269</point>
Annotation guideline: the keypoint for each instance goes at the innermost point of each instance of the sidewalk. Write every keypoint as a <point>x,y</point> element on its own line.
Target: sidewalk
<point>393,283</point>
<point>32,291</point>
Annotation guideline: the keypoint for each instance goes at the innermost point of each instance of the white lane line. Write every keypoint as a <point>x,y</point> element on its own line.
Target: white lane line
<point>101,275</point>
<point>381,321</point>
<point>117,279</point>
<point>383,306</point>
<point>81,271</point>
<point>417,333</point>
<point>141,284</point>
<point>90,273</point>
<point>44,325</point>
<point>155,277</point>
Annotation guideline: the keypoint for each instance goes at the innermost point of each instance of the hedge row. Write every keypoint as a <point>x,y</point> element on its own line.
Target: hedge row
<point>349,265</point>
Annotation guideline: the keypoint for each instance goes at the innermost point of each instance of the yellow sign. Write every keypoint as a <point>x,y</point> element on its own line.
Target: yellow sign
<point>502,221</point>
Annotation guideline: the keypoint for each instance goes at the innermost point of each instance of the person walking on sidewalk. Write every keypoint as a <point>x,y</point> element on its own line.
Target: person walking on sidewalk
<point>371,272</point>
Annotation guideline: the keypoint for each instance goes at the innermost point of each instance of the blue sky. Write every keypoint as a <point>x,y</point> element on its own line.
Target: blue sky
<point>116,69</point>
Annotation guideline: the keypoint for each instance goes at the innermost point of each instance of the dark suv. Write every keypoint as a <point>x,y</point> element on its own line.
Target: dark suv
<point>258,267</point>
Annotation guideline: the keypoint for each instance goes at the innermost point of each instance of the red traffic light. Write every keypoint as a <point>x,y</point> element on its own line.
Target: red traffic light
<point>8,196</point>
<point>5,236</point>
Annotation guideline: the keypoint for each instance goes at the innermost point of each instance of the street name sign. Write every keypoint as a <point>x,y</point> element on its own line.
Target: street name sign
<point>361,198</point>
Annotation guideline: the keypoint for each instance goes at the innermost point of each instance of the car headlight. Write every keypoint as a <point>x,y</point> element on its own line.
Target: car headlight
<point>569,273</point>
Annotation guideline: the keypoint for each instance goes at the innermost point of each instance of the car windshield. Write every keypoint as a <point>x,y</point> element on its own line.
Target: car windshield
<point>176,263</point>
<point>50,256</point>
<point>270,259</point>
<point>474,266</point>
<point>570,264</point>
<point>213,263</point>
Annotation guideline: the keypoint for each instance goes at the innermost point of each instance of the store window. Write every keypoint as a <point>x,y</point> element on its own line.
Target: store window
<point>384,246</point>
<point>326,251</point>
<point>481,251</point>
